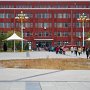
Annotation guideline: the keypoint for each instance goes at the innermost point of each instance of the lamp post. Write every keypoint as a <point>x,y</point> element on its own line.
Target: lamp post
<point>83,18</point>
<point>21,17</point>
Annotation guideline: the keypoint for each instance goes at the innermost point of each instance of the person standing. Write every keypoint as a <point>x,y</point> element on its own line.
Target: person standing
<point>57,49</point>
<point>60,50</point>
<point>79,50</point>
<point>5,47</point>
<point>72,49</point>
<point>76,50</point>
<point>87,52</point>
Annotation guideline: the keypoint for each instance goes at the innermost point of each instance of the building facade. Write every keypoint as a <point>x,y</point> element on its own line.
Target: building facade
<point>50,22</point>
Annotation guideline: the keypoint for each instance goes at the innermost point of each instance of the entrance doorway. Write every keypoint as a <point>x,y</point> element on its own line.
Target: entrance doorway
<point>43,44</point>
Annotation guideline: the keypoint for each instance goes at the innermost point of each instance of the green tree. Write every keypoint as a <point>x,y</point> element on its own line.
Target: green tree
<point>2,37</point>
<point>9,33</point>
<point>88,35</point>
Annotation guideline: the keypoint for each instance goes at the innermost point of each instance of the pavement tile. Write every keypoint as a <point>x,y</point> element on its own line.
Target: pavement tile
<point>48,86</point>
<point>33,86</point>
<point>17,86</point>
<point>78,86</point>
<point>5,85</point>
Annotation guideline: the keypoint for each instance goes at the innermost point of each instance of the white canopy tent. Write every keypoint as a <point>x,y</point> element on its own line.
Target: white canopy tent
<point>88,39</point>
<point>14,38</point>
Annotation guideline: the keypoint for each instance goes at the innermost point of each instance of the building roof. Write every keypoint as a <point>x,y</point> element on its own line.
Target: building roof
<point>44,0</point>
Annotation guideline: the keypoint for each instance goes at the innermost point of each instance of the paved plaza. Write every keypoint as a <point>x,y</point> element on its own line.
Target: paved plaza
<point>37,54</point>
<point>42,79</point>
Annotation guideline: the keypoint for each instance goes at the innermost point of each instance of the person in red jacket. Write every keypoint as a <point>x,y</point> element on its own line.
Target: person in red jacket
<point>57,49</point>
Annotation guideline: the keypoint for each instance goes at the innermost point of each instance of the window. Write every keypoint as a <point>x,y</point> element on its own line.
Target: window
<point>18,25</point>
<point>27,25</point>
<point>37,6</point>
<point>12,6</point>
<point>30,15</point>
<point>26,34</point>
<point>65,15</point>
<point>12,16</point>
<point>58,25</point>
<point>89,6</point>
<point>58,6</point>
<point>78,34</point>
<point>65,25</point>
<point>9,15</point>
<point>58,15</point>
<point>43,25</point>
<point>83,6</point>
<point>64,6</point>
<point>59,43</point>
<point>78,24</point>
<point>8,25</point>
<point>42,6</point>
<point>61,25</point>
<point>78,43</point>
<point>18,6</point>
<point>39,25</point>
<point>59,34</point>
<point>2,15</point>
<point>12,25</point>
<point>55,33</point>
<point>38,15</point>
<point>36,33</point>
<point>1,6</point>
<point>45,34</point>
<point>40,34</point>
<point>6,6</point>
<point>77,15</point>
<point>65,34</point>
<point>43,15</point>
<point>2,25</point>
<point>77,6</point>
<point>24,6</point>
<point>29,34</point>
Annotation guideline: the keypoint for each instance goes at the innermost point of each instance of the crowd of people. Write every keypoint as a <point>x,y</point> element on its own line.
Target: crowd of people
<point>62,50</point>
<point>80,50</point>
<point>74,50</point>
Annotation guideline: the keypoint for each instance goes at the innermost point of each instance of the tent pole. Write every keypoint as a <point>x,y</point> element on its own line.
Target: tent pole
<point>14,45</point>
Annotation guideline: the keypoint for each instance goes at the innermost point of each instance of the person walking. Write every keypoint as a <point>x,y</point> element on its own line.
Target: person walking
<point>71,49</point>
<point>75,50</point>
<point>60,50</point>
<point>79,50</point>
<point>87,52</point>
<point>57,49</point>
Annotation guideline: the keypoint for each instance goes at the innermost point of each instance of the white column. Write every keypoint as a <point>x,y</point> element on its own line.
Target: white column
<point>22,36</point>
<point>14,45</point>
<point>83,33</point>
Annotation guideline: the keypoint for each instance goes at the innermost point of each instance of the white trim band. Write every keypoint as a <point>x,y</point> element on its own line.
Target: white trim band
<point>44,39</point>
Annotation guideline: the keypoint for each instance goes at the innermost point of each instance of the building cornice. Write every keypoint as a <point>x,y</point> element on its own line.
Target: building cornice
<point>45,8</point>
<point>47,0</point>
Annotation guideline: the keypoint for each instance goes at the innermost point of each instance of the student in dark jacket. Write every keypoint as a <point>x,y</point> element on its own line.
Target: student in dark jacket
<point>5,47</point>
<point>87,52</point>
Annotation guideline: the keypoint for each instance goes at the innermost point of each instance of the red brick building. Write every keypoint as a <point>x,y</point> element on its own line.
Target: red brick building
<point>50,22</point>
